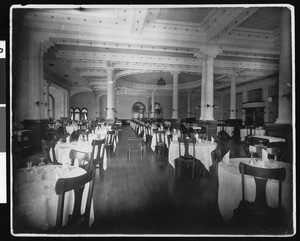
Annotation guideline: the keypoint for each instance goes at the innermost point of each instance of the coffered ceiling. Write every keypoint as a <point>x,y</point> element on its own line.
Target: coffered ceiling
<point>143,44</point>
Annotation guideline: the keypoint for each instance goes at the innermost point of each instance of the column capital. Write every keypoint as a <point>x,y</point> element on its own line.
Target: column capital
<point>109,64</point>
<point>175,73</point>
<point>47,83</point>
<point>233,71</point>
<point>40,40</point>
<point>207,52</point>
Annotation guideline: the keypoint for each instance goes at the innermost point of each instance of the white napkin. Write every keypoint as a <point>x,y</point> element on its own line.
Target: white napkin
<point>68,139</point>
<point>212,140</point>
<point>226,157</point>
<point>252,149</point>
<point>264,155</point>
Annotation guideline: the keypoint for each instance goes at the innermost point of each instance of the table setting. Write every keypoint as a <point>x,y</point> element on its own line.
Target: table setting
<point>62,151</point>
<point>203,149</point>
<point>35,200</point>
<point>230,188</point>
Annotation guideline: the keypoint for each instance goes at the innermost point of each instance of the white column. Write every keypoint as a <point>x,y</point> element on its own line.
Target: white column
<point>41,80</point>
<point>110,94</point>
<point>243,110</point>
<point>266,110</point>
<point>113,93</point>
<point>203,90</point>
<point>285,69</point>
<point>175,95</point>
<point>207,53</point>
<point>66,104</point>
<point>46,99</point>
<point>152,105</point>
<point>233,95</point>
<point>38,45</point>
<point>189,104</point>
<point>209,113</point>
<point>34,80</point>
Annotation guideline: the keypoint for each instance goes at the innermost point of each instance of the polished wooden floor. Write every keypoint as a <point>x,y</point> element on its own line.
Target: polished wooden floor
<point>145,197</point>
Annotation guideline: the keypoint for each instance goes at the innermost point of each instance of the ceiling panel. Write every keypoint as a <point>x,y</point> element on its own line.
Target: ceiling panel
<point>191,15</point>
<point>264,19</point>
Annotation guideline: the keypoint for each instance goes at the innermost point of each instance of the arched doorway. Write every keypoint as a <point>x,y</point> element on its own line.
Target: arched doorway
<point>158,111</point>
<point>138,110</point>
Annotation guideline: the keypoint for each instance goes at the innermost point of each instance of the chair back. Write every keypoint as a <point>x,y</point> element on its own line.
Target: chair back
<point>97,155</point>
<point>48,146</point>
<point>110,137</point>
<point>76,184</point>
<point>135,144</point>
<point>186,143</point>
<point>169,138</point>
<point>160,137</point>
<point>261,176</point>
<point>84,134</point>
<point>274,151</point>
<point>84,158</point>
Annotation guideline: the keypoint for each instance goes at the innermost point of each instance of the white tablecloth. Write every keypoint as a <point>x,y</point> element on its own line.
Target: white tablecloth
<point>62,151</point>
<point>70,129</point>
<point>257,132</point>
<point>271,138</point>
<point>202,152</point>
<point>153,142</point>
<point>230,187</point>
<point>35,204</point>
<point>228,129</point>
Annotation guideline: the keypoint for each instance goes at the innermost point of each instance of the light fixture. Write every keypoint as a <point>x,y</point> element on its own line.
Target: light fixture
<point>161,81</point>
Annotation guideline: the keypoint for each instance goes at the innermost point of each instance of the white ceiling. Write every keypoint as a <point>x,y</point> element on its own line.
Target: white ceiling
<point>144,44</point>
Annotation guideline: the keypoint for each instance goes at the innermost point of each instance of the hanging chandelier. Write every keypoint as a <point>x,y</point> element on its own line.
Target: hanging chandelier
<point>161,81</point>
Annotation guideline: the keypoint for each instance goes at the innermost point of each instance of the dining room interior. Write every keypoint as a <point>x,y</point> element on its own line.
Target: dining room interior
<point>132,120</point>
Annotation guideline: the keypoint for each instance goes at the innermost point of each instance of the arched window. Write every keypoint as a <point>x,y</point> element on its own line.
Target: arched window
<point>138,110</point>
<point>84,114</point>
<point>71,113</point>
<point>77,114</point>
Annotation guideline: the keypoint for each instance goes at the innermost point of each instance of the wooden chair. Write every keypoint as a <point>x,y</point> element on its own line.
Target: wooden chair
<point>84,159</point>
<point>77,185</point>
<point>187,159</point>
<point>48,146</point>
<point>110,141</point>
<point>135,145</point>
<point>84,134</point>
<point>258,213</point>
<point>161,145</point>
<point>25,143</point>
<point>213,169</point>
<point>277,150</point>
<point>96,155</point>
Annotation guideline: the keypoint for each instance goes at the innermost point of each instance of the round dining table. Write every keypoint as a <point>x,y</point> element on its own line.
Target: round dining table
<point>62,151</point>
<point>230,186</point>
<point>203,151</point>
<point>35,203</point>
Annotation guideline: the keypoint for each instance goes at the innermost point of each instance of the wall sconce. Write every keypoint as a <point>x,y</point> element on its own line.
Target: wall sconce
<point>276,97</point>
<point>106,109</point>
<point>211,106</point>
<point>38,103</point>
